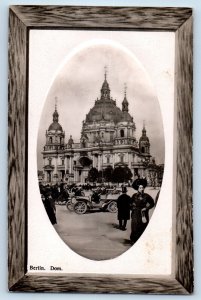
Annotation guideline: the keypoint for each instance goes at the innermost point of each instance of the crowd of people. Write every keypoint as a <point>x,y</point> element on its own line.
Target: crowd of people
<point>60,193</point>
<point>135,207</point>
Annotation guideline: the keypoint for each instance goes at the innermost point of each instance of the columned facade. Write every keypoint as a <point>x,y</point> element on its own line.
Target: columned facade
<point>107,139</point>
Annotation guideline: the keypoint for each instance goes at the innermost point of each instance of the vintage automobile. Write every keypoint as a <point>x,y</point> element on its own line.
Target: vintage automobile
<point>82,204</point>
<point>65,197</point>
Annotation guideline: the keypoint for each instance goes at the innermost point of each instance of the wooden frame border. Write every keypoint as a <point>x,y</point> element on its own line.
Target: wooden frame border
<point>21,20</point>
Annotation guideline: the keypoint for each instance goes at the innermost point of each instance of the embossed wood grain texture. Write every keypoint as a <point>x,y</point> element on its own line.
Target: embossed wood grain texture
<point>103,17</point>
<point>99,284</point>
<point>16,149</point>
<point>24,17</point>
<point>184,85</point>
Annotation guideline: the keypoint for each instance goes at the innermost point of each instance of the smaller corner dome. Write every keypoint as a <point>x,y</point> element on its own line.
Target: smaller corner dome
<point>55,126</point>
<point>126,117</point>
<point>144,139</point>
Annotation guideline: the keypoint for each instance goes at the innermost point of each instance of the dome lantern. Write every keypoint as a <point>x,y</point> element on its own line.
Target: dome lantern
<point>55,126</point>
<point>125,101</point>
<point>144,143</point>
<point>105,90</point>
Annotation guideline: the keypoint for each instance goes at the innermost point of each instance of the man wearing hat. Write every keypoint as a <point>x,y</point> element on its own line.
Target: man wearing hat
<point>50,206</point>
<point>141,203</point>
<point>123,205</point>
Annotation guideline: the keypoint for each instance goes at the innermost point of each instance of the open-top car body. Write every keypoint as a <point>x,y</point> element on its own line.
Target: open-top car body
<point>82,204</point>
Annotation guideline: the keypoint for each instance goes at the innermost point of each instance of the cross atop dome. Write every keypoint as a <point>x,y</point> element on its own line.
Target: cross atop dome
<point>55,125</point>
<point>105,72</point>
<point>56,99</point>
<point>105,90</point>
<point>125,101</point>
<point>125,89</point>
<point>144,129</point>
<point>55,114</point>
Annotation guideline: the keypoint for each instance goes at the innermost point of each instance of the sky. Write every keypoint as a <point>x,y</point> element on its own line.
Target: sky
<point>77,85</point>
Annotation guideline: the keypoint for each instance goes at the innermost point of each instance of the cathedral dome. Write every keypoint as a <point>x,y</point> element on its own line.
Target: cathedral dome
<point>55,126</point>
<point>144,137</point>
<point>104,111</point>
<point>105,108</point>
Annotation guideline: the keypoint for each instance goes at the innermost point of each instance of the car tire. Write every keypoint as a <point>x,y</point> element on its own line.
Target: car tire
<point>69,205</point>
<point>112,207</point>
<point>80,207</point>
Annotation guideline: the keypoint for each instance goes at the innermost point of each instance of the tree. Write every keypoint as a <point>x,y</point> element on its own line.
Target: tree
<point>121,174</point>
<point>93,175</point>
<point>107,173</point>
<point>100,176</point>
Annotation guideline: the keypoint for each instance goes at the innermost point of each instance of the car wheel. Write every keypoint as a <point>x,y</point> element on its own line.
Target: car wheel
<point>112,207</point>
<point>80,207</point>
<point>69,205</point>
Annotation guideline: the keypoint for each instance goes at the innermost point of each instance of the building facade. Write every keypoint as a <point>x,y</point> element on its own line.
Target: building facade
<point>108,138</point>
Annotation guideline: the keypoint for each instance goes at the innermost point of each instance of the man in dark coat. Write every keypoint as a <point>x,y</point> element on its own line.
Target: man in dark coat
<point>50,207</point>
<point>123,205</point>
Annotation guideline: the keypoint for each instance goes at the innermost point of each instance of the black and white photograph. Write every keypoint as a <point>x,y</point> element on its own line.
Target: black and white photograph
<point>100,151</point>
<point>99,148</point>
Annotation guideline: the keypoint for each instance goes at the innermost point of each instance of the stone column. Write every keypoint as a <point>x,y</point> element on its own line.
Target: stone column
<point>43,161</point>
<point>129,160</point>
<point>129,132</point>
<point>68,163</point>
<point>65,164</point>
<point>54,163</point>
<point>75,177</point>
<point>126,132</point>
<point>82,176</point>
<point>70,166</point>
<point>113,160</point>
<point>94,163</point>
<point>45,177</point>
<point>98,162</point>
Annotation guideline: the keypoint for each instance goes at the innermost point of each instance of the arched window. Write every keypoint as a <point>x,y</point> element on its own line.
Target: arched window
<point>121,133</point>
<point>122,158</point>
<point>50,140</point>
<point>143,150</point>
<point>60,140</point>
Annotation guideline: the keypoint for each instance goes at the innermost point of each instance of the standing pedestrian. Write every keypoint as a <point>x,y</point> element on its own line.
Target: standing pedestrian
<point>50,208</point>
<point>141,203</point>
<point>123,205</point>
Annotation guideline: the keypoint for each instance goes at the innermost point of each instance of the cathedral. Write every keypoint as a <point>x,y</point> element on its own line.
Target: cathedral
<point>107,139</point>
